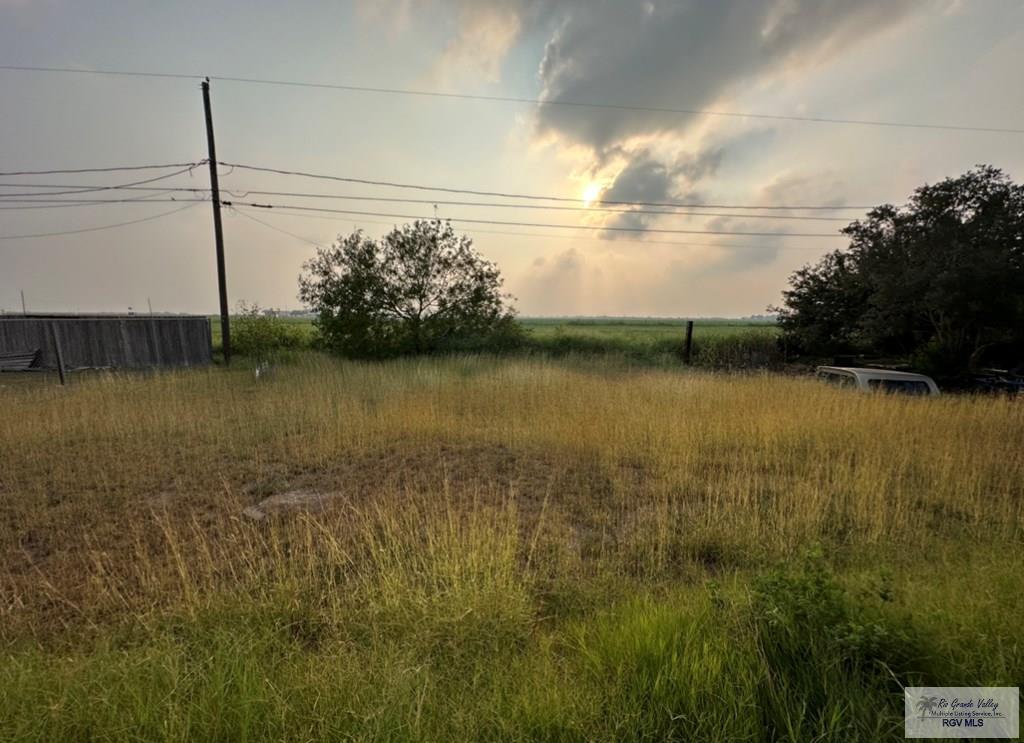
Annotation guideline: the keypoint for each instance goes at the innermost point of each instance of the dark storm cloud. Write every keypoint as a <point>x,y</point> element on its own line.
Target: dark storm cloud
<point>681,55</point>
<point>667,53</point>
<point>643,179</point>
<point>684,54</point>
<point>649,180</point>
<point>687,54</point>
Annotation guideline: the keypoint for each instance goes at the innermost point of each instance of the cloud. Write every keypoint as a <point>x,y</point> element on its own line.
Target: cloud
<point>824,188</point>
<point>642,279</point>
<point>486,33</point>
<point>395,16</point>
<point>692,54</point>
<point>659,53</point>
<point>645,178</point>
<point>675,54</point>
<point>789,188</point>
<point>560,281</point>
<point>680,54</point>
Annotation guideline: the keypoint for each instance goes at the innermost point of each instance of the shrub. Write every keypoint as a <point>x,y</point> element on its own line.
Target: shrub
<point>260,334</point>
<point>835,663</point>
<point>752,348</point>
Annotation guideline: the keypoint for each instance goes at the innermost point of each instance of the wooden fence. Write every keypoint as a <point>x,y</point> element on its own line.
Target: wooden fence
<point>109,341</point>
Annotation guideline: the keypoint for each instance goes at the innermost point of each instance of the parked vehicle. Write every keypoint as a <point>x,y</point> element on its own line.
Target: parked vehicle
<point>878,380</point>
<point>1000,381</point>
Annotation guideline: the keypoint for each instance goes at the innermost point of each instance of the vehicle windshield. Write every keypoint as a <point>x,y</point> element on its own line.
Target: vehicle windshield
<point>901,386</point>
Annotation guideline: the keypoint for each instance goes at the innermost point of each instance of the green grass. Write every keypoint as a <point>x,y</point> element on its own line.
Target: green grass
<point>519,549</point>
<point>718,342</point>
<point>686,663</point>
<point>639,332</point>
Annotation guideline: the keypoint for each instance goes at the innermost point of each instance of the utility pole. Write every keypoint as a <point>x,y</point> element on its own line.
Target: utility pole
<point>688,343</point>
<point>218,232</point>
<point>57,352</point>
<point>23,310</point>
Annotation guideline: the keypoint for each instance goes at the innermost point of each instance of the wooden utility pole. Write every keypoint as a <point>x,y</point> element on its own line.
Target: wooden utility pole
<point>57,352</point>
<point>218,232</point>
<point>688,345</point>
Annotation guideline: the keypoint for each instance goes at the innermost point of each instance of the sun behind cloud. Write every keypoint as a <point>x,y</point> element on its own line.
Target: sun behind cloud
<point>592,193</point>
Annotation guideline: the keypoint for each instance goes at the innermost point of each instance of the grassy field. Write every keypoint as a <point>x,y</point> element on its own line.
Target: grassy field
<point>504,549</point>
<point>716,342</point>
<point>658,341</point>
<point>654,327</point>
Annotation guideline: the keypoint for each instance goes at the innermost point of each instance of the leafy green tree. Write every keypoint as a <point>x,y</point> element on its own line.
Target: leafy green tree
<point>419,289</point>
<point>823,306</point>
<point>940,279</point>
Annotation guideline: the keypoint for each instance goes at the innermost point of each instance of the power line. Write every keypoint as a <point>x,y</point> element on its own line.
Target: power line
<point>269,226</point>
<point>549,207</point>
<point>89,189</point>
<point>243,193</point>
<point>186,166</point>
<point>96,187</point>
<point>534,197</point>
<point>540,224</point>
<point>68,203</point>
<point>619,107</point>
<point>524,100</point>
<point>477,231</point>
<point>96,229</point>
<point>125,73</point>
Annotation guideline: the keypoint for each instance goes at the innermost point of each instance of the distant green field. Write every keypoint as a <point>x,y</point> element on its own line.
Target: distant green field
<point>636,333</point>
<point>716,342</point>
<point>640,329</point>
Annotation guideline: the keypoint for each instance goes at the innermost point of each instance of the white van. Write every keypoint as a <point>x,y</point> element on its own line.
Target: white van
<point>878,380</point>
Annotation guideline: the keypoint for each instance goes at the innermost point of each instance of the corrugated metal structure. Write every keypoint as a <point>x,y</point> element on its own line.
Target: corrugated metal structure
<point>109,341</point>
<point>18,360</point>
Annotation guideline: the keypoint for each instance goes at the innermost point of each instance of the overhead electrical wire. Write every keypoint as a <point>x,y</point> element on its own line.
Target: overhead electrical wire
<point>548,207</point>
<point>97,186</point>
<point>186,166</point>
<point>619,107</point>
<point>123,73</point>
<point>534,197</point>
<point>237,209</point>
<point>240,193</point>
<point>64,204</point>
<point>91,189</point>
<point>522,99</point>
<point>98,228</point>
<point>269,226</point>
<point>467,220</point>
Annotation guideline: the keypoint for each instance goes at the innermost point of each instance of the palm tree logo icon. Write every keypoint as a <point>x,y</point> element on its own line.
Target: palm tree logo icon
<point>927,705</point>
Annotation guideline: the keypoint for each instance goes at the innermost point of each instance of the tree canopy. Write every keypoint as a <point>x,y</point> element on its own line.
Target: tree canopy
<point>940,279</point>
<point>419,289</point>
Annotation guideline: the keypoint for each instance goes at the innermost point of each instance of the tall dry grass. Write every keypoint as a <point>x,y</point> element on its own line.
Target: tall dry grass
<point>508,549</point>
<point>639,471</point>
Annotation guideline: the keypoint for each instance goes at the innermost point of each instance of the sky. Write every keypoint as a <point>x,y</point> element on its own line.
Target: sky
<point>948,62</point>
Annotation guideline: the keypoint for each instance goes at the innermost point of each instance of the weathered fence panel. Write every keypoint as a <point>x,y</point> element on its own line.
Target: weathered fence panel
<point>110,341</point>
